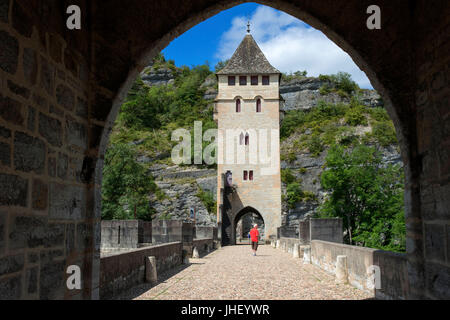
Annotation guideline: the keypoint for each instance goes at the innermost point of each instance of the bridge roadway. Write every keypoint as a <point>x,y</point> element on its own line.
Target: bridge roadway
<point>233,273</point>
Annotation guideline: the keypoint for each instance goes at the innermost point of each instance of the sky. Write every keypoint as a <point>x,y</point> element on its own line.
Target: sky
<point>288,43</point>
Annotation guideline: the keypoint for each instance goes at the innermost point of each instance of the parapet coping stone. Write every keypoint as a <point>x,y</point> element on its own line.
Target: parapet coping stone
<point>142,249</point>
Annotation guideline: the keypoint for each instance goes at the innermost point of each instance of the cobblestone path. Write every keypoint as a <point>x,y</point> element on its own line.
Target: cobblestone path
<point>232,273</point>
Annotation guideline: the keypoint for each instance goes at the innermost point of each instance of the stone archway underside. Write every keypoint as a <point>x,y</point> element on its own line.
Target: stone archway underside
<point>61,89</point>
<point>241,215</point>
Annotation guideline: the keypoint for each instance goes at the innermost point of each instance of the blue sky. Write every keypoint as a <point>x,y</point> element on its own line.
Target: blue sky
<point>288,43</point>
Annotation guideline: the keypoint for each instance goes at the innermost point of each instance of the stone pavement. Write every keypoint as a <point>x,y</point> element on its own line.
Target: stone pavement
<point>232,273</point>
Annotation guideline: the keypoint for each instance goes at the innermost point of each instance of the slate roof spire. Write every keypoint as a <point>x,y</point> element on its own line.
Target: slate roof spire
<point>248,59</point>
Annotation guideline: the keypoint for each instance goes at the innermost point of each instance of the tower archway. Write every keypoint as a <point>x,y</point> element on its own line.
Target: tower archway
<point>243,223</point>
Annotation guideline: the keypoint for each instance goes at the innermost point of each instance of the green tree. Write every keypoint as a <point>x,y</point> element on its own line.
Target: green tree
<point>367,195</point>
<point>125,186</point>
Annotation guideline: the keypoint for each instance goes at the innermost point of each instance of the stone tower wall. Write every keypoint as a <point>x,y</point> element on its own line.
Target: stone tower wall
<point>264,192</point>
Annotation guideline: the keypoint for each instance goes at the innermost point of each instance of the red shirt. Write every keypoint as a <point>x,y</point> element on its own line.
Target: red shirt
<point>254,233</point>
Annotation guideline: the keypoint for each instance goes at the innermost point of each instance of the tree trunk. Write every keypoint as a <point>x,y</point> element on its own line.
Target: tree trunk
<point>349,229</point>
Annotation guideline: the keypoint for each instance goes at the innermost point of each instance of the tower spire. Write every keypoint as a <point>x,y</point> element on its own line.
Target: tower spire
<point>248,27</point>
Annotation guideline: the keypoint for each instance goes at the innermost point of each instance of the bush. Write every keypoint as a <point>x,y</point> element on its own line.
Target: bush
<point>324,90</point>
<point>207,198</point>
<point>315,145</point>
<point>355,117</point>
<point>384,133</point>
<point>344,82</point>
<point>287,177</point>
<point>379,114</point>
<point>294,194</point>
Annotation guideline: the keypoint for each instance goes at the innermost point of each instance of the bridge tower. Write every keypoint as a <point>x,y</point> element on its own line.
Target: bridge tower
<point>247,110</point>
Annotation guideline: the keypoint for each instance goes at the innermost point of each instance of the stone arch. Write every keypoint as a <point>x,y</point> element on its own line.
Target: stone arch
<point>240,214</point>
<point>406,61</point>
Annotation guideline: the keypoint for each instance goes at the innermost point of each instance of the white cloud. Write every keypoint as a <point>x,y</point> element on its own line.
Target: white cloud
<point>290,45</point>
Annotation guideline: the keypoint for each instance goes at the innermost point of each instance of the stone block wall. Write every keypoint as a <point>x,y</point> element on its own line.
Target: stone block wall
<point>204,246</point>
<point>165,231</point>
<point>314,229</point>
<point>393,268</point>
<point>304,231</point>
<point>289,243</point>
<point>287,232</point>
<point>48,138</point>
<point>204,232</point>
<point>326,230</point>
<point>145,232</point>
<point>124,270</point>
<point>428,187</point>
<point>126,234</point>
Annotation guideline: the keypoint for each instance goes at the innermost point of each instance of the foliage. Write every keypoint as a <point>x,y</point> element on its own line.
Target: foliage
<point>295,194</point>
<point>324,90</point>
<point>367,195</point>
<point>315,145</point>
<point>125,186</point>
<point>207,198</point>
<point>287,77</point>
<point>355,116</point>
<point>150,114</point>
<point>287,177</point>
<point>220,65</point>
<point>344,82</point>
<point>384,133</point>
<point>341,83</point>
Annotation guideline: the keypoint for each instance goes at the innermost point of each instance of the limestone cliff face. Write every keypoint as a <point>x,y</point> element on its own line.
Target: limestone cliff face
<point>181,187</point>
<point>153,76</point>
<point>305,94</point>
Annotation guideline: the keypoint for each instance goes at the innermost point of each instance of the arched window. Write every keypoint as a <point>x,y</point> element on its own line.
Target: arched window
<point>247,139</point>
<point>258,105</point>
<point>238,105</point>
<point>241,139</point>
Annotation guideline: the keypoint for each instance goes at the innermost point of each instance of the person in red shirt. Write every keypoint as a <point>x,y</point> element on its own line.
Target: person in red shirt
<point>254,237</point>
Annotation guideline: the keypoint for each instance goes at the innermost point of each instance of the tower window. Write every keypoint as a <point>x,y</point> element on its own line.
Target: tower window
<point>238,105</point>
<point>231,80</point>
<point>258,105</point>
<point>241,139</point>
<point>250,175</point>
<point>245,175</point>
<point>247,139</point>
<point>242,80</point>
<point>254,80</point>
<point>265,80</point>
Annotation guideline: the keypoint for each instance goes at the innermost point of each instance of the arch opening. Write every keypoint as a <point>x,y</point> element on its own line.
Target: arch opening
<point>360,62</point>
<point>62,91</point>
<point>244,221</point>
